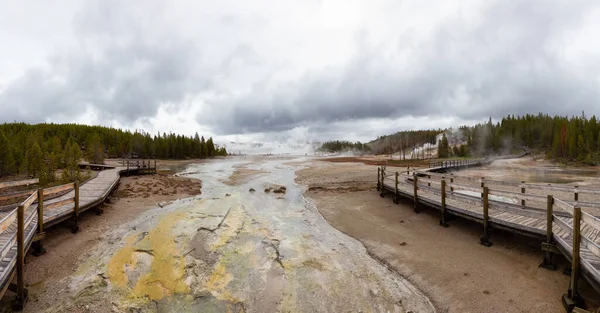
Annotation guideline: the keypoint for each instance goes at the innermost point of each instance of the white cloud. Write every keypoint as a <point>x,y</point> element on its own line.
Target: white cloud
<point>296,70</point>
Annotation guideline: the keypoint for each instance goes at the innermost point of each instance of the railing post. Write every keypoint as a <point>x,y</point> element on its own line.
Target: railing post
<point>76,209</point>
<point>378,178</point>
<point>155,167</point>
<point>382,193</point>
<point>572,298</point>
<point>21,291</point>
<point>429,183</point>
<point>396,189</point>
<point>485,240</point>
<point>451,182</point>
<point>576,194</point>
<point>415,196</point>
<point>38,249</point>
<point>548,246</point>
<point>523,192</point>
<point>443,217</point>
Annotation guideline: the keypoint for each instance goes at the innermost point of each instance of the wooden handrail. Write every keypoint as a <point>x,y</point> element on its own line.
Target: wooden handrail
<point>590,220</point>
<point>463,187</point>
<point>29,200</point>
<point>54,205</point>
<point>6,221</point>
<point>563,206</point>
<point>16,183</point>
<point>57,189</point>
<point>17,194</point>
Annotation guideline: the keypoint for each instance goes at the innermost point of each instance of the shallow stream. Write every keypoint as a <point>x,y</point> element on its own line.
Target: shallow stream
<point>233,249</point>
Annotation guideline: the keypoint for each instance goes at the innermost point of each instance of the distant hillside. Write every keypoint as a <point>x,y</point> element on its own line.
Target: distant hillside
<point>565,139</point>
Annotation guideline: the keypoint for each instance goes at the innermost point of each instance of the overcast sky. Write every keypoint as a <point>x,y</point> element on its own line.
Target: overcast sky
<point>312,69</point>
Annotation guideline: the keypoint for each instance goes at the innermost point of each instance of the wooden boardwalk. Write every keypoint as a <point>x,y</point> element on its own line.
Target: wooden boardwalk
<point>515,207</point>
<point>24,226</point>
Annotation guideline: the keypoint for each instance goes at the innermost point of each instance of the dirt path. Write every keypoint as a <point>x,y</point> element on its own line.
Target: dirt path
<point>448,264</point>
<point>49,274</point>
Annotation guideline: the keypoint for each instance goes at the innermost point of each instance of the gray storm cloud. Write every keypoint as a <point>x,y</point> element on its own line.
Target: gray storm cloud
<point>261,70</point>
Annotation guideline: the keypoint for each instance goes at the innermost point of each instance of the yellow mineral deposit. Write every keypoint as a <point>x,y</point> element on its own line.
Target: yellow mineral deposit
<point>234,222</point>
<point>217,284</point>
<point>165,276</point>
<point>120,261</point>
<point>168,266</point>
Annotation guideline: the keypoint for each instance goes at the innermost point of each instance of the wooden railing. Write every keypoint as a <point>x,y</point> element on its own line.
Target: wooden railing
<point>15,226</point>
<point>138,163</point>
<point>579,238</point>
<point>456,163</point>
<point>16,183</point>
<point>6,198</point>
<point>555,213</point>
<point>139,166</point>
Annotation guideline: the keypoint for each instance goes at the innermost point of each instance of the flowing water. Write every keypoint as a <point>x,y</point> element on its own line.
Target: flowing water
<point>240,251</point>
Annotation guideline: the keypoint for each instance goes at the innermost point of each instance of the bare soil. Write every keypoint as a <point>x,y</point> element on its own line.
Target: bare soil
<point>447,264</point>
<point>377,160</point>
<point>46,274</point>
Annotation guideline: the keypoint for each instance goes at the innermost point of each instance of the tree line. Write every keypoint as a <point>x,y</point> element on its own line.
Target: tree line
<point>561,138</point>
<point>341,146</point>
<point>38,150</point>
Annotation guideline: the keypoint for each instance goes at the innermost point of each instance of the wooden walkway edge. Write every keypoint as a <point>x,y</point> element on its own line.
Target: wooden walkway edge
<point>564,226</point>
<point>23,228</point>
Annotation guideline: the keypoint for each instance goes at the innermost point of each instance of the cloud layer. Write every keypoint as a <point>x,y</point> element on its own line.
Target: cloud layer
<point>320,68</point>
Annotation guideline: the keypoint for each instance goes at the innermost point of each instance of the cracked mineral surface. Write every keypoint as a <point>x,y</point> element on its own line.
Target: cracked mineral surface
<point>247,252</point>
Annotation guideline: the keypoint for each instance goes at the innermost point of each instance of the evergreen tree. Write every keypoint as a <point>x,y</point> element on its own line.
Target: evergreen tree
<point>443,147</point>
<point>34,160</point>
<point>197,148</point>
<point>203,153</point>
<point>210,148</point>
<point>47,174</point>
<point>7,162</point>
<point>94,150</point>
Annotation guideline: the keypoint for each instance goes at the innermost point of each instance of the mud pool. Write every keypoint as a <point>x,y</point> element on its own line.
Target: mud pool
<point>240,251</point>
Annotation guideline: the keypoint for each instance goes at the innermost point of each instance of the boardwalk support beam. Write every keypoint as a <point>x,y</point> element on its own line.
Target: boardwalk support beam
<point>572,298</point>
<point>76,210</point>
<point>443,214</point>
<point>415,196</point>
<point>38,249</point>
<point>485,239</point>
<point>548,246</point>
<point>396,190</point>
<point>382,182</point>
<point>21,298</point>
<point>523,192</point>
